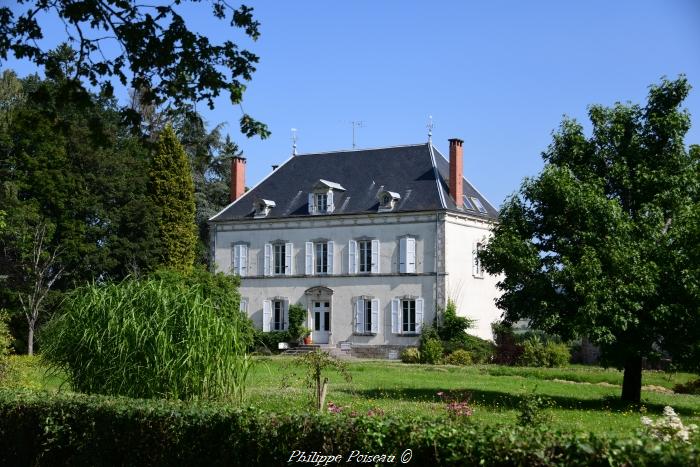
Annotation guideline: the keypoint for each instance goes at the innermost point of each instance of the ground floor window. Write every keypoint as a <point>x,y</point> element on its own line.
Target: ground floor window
<point>278,318</point>
<point>408,316</point>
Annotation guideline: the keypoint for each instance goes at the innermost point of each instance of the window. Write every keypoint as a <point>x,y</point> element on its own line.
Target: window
<point>278,315</point>
<point>366,315</point>
<point>468,204</point>
<point>279,258</point>
<point>407,255</point>
<point>240,260</point>
<point>478,204</point>
<point>321,258</point>
<point>321,202</point>
<point>365,247</point>
<point>243,305</point>
<point>477,268</point>
<point>407,315</point>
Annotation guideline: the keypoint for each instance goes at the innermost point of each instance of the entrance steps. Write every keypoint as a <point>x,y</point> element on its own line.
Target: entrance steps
<point>302,349</point>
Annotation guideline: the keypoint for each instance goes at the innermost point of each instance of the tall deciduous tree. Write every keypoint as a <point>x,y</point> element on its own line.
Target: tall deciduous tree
<point>172,189</point>
<point>604,243</point>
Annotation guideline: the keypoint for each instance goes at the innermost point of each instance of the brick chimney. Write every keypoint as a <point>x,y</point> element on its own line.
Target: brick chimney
<point>456,172</point>
<point>237,177</point>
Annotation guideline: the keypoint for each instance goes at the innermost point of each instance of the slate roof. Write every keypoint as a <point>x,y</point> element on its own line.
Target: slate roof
<point>407,170</point>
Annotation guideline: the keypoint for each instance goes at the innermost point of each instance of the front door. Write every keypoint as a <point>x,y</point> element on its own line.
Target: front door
<point>321,312</point>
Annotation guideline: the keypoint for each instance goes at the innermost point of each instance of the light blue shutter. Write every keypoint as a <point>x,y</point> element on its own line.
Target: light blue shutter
<point>352,257</point>
<point>331,205</point>
<point>309,259</point>
<point>402,255</point>
<point>375,256</point>
<point>410,255</point>
<point>243,261</point>
<point>235,259</point>
<point>268,259</point>
<point>360,316</point>
<point>395,320</point>
<point>311,204</point>
<point>331,254</point>
<point>375,316</point>
<point>288,256</point>
<point>267,315</point>
<point>419,315</point>
<point>285,313</point>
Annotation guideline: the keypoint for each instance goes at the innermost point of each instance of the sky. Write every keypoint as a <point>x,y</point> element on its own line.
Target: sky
<point>498,74</point>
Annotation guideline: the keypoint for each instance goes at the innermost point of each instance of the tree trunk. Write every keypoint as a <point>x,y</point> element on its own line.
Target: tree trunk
<point>322,400</point>
<point>30,340</point>
<point>632,379</point>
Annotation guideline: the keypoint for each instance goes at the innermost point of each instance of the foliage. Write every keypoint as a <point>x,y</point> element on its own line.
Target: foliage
<point>67,429</point>
<point>457,404</point>
<point>453,328</point>
<point>296,315</point>
<point>691,387</point>
<point>431,351</point>
<point>550,354</point>
<point>532,410</point>
<point>5,342</point>
<point>459,357</point>
<point>316,363</point>
<point>481,350</point>
<point>168,336</point>
<point>604,242</point>
<point>410,355</point>
<point>156,51</point>
<point>507,350</point>
<point>171,188</point>
<point>269,340</point>
<point>670,427</point>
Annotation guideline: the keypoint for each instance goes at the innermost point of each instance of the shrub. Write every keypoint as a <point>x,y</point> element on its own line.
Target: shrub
<point>532,410</point>
<point>459,357</point>
<point>431,351</point>
<point>691,387</point>
<point>480,349</point>
<point>410,355</point>
<point>454,327</point>
<point>557,354</point>
<point>74,429</point>
<point>551,354</point>
<point>507,350</point>
<point>269,340</point>
<point>5,342</point>
<point>173,335</point>
<point>296,316</point>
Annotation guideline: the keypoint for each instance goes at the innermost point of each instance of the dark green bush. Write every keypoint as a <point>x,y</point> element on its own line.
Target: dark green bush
<point>480,349</point>
<point>691,387</point>
<point>69,429</point>
<point>410,355</point>
<point>431,351</point>
<point>459,357</point>
<point>5,342</point>
<point>453,327</point>
<point>550,354</point>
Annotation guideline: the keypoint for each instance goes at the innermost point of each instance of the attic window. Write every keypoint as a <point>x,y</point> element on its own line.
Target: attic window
<point>468,204</point>
<point>478,204</point>
<point>387,200</point>
<point>322,195</point>
<point>262,207</point>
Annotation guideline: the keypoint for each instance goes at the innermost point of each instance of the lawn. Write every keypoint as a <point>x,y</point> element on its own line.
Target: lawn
<point>582,398</point>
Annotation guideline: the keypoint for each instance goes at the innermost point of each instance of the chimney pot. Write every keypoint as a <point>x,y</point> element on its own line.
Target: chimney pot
<point>456,171</point>
<point>237,177</point>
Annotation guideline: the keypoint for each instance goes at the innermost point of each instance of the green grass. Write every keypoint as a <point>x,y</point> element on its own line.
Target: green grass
<point>277,385</point>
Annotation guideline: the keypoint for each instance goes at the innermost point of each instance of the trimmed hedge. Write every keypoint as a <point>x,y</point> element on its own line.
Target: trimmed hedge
<point>38,428</point>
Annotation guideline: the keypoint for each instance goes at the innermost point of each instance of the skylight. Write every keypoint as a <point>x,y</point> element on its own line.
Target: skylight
<point>478,204</point>
<point>468,204</point>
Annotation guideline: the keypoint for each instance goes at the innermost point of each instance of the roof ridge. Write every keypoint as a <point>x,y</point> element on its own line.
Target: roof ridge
<point>360,149</point>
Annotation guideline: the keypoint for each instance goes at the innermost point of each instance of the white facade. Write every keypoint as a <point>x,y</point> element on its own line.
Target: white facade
<point>418,260</point>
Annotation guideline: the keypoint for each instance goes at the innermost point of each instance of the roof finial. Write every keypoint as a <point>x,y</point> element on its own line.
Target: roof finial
<point>294,141</point>
<point>430,128</point>
<point>356,124</point>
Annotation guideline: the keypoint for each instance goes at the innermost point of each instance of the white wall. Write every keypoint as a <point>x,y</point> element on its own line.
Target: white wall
<point>474,296</point>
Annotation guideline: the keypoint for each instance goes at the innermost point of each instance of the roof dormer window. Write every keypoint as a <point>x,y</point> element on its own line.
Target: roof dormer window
<point>321,197</point>
<point>262,207</point>
<point>387,200</point>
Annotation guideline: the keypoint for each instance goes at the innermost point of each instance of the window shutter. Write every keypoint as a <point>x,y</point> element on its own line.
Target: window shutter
<point>309,258</point>
<point>243,305</point>
<point>360,316</point>
<point>375,256</point>
<point>352,257</point>
<point>331,254</point>
<point>285,313</point>
<point>268,259</point>
<point>475,261</point>
<point>402,254</point>
<point>243,260</point>
<point>235,259</point>
<point>311,203</point>
<point>331,205</point>
<point>288,264</point>
<point>410,255</point>
<point>267,315</point>
<point>375,315</point>
<point>395,320</point>
<point>419,315</point>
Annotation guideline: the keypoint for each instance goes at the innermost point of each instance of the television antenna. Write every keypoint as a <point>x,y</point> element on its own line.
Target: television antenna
<point>430,127</point>
<point>294,141</point>
<point>356,124</point>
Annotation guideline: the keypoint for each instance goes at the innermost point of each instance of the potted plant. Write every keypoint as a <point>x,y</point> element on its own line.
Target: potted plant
<point>306,336</point>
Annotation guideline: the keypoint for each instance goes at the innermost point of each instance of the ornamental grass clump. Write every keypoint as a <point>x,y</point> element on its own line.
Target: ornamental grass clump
<point>172,336</point>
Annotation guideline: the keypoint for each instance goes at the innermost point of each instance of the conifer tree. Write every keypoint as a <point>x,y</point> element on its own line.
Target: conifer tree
<point>172,190</point>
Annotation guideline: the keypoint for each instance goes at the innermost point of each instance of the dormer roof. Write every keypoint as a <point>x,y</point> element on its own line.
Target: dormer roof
<point>326,184</point>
